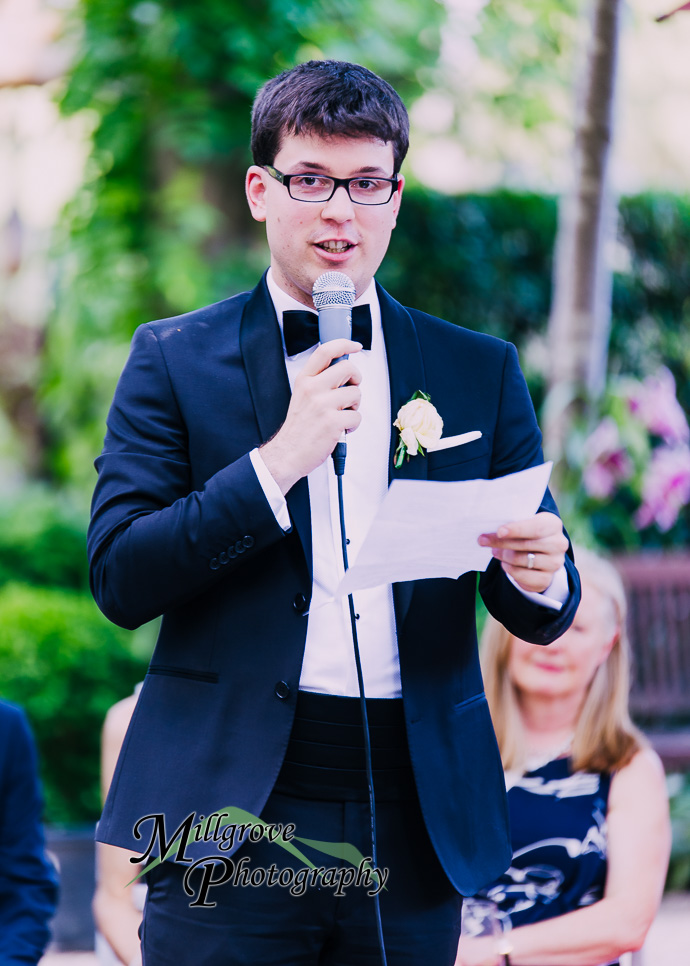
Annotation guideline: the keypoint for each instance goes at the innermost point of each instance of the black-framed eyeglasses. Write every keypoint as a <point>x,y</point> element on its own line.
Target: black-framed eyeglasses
<point>318,187</point>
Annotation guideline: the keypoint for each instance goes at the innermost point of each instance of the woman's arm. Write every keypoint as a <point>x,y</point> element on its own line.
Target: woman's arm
<point>116,915</point>
<point>639,843</point>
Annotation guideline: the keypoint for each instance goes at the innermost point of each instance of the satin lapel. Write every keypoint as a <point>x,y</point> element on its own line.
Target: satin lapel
<point>406,375</point>
<point>264,363</point>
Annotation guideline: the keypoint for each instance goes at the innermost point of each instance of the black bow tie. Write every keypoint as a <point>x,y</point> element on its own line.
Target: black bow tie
<point>301,328</point>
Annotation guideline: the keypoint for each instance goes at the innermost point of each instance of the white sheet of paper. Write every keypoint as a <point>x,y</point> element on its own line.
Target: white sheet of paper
<point>430,529</point>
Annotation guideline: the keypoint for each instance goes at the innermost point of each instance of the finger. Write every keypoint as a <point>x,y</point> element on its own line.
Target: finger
<point>543,531</point>
<point>333,377</point>
<point>341,374</point>
<point>529,560</point>
<point>556,544</point>
<point>324,354</point>
<point>351,419</point>
<point>347,397</point>
<point>540,525</point>
<point>535,580</point>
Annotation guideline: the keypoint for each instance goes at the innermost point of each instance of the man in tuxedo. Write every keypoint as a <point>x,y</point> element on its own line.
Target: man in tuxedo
<point>216,507</point>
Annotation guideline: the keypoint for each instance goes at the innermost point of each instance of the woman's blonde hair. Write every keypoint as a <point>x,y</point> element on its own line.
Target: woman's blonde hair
<point>605,738</point>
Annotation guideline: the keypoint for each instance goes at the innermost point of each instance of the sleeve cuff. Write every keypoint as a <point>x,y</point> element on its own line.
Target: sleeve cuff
<point>555,594</point>
<point>272,491</point>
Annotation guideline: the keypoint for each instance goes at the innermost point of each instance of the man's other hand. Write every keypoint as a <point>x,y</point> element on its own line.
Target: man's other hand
<point>324,405</point>
<point>531,551</point>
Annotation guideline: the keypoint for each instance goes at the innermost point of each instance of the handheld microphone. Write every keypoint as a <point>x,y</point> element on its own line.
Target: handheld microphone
<point>334,295</point>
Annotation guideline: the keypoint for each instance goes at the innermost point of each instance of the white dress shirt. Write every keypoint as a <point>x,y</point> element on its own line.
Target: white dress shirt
<point>329,666</point>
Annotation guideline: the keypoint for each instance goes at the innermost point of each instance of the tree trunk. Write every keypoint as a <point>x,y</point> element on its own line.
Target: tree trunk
<point>580,317</point>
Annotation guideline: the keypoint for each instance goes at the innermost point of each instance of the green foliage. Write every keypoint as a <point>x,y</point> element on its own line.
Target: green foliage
<point>651,304</point>
<point>160,224</point>
<point>65,664</point>
<point>485,261</point>
<point>482,261</point>
<point>43,540</point>
<point>679,866</point>
<point>533,44</point>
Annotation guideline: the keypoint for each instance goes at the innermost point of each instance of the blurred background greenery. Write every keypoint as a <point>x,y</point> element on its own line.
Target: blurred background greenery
<point>157,96</point>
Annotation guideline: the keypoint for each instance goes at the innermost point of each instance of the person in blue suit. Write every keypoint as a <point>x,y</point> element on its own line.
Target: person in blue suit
<point>216,508</point>
<point>28,881</point>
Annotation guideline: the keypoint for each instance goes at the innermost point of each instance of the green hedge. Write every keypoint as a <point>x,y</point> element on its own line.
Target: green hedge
<point>43,539</point>
<point>65,664</point>
<point>482,261</point>
<point>679,866</point>
<point>485,261</point>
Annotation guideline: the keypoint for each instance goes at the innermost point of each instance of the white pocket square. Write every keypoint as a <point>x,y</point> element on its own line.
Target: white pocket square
<point>449,441</point>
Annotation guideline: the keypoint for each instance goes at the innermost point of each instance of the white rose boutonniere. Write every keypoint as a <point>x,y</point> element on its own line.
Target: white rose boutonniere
<point>419,424</point>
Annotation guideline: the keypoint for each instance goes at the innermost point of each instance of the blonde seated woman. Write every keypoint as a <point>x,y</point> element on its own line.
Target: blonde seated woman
<point>586,794</point>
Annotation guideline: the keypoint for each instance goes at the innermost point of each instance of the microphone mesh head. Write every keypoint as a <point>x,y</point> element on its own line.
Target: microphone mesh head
<point>333,288</point>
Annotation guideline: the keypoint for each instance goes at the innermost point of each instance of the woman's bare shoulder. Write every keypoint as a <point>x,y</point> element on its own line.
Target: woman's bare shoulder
<point>643,777</point>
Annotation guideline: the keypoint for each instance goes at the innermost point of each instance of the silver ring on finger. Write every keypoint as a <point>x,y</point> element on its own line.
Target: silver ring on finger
<point>530,561</point>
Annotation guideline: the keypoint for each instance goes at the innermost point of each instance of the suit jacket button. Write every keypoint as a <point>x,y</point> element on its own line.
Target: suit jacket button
<point>223,557</point>
<point>214,564</point>
<point>282,690</point>
<point>232,553</point>
<point>248,541</point>
<point>300,603</point>
<point>239,547</point>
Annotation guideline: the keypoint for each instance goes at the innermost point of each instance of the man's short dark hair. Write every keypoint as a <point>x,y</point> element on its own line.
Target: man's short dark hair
<point>326,98</point>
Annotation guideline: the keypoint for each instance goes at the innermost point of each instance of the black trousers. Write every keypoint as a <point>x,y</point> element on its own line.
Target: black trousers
<point>273,910</point>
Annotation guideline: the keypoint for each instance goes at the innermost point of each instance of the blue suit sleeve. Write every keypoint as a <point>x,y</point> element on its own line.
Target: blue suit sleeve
<point>517,446</point>
<point>155,541</point>
<point>28,882</point>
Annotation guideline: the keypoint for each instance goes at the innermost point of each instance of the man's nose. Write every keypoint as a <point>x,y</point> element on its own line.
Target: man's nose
<point>339,207</point>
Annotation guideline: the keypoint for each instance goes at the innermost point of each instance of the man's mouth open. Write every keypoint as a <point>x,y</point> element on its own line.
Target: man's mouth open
<point>335,247</point>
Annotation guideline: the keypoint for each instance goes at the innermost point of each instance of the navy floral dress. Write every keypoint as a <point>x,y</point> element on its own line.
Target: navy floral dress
<point>558,831</point>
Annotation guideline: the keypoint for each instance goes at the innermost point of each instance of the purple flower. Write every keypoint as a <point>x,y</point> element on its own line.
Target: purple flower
<point>665,488</point>
<point>654,403</point>
<point>607,463</point>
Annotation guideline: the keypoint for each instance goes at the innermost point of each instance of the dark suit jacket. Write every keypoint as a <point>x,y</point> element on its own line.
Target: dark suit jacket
<point>181,527</point>
<point>28,883</point>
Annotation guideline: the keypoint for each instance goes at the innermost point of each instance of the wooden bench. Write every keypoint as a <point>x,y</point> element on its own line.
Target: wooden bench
<point>658,589</point>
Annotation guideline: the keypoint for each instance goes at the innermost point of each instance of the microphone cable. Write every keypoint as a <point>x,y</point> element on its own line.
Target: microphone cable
<point>339,454</point>
<point>333,294</point>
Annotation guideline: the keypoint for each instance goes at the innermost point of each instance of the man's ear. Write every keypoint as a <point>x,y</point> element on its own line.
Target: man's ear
<point>397,198</point>
<point>255,189</point>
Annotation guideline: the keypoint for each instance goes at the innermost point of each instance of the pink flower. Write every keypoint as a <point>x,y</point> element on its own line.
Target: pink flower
<point>607,464</point>
<point>654,403</point>
<point>665,488</point>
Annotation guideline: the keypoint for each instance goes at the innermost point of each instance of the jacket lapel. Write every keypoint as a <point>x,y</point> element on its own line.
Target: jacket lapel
<point>406,375</point>
<point>269,387</point>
